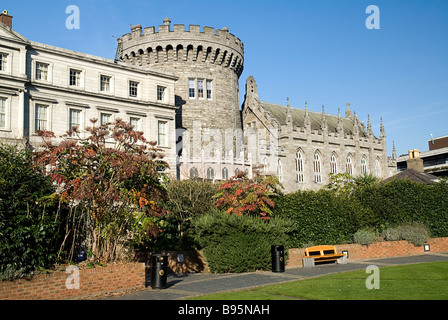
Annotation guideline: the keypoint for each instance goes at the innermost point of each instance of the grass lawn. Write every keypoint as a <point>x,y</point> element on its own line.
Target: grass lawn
<point>424,281</point>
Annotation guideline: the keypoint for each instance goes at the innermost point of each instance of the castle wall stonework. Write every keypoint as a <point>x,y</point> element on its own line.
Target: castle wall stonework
<point>263,134</point>
<point>302,147</point>
<point>214,58</point>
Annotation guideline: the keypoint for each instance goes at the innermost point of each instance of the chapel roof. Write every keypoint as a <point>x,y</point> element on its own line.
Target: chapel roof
<point>279,112</point>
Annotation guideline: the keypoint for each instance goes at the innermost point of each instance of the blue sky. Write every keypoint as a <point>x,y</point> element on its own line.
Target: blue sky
<point>317,51</point>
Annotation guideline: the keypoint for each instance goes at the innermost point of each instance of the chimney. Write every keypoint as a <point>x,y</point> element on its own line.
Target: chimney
<point>414,161</point>
<point>5,18</point>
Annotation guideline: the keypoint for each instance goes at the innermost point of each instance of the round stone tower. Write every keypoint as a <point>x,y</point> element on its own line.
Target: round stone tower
<point>208,64</point>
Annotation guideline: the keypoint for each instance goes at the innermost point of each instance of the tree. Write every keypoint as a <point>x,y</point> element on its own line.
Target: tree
<point>240,195</point>
<point>188,199</point>
<point>111,180</point>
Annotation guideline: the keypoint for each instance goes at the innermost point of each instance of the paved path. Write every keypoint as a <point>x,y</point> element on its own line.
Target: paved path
<point>189,285</point>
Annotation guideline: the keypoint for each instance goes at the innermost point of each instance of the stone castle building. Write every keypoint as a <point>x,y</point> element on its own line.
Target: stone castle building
<point>299,146</point>
<point>302,147</point>
<point>208,65</point>
<point>181,88</point>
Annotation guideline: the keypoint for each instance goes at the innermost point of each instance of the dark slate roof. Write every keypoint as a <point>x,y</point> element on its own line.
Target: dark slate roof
<point>415,175</point>
<point>298,117</point>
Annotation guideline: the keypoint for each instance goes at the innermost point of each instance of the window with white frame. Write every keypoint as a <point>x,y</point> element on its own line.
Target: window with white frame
<point>3,113</point>
<point>209,89</point>
<point>200,89</point>
<point>41,122</point>
<point>75,78</point>
<point>105,83</point>
<point>317,168</point>
<point>135,122</point>
<point>162,134</point>
<point>161,93</point>
<point>133,88</point>
<point>74,119</point>
<point>105,118</point>
<point>333,164</point>
<point>3,61</point>
<point>299,167</point>
<point>191,88</point>
<point>42,71</point>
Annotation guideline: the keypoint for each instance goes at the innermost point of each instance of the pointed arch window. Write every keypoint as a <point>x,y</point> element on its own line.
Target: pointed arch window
<point>334,164</point>
<point>280,171</point>
<point>299,167</point>
<point>378,167</point>
<point>225,174</point>
<point>317,168</point>
<point>364,166</point>
<point>265,165</point>
<point>210,174</point>
<point>349,165</point>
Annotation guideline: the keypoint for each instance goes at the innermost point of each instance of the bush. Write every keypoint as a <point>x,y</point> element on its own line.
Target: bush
<point>391,234</point>
<point>186,199</point>
<point>321,217</point>
<point>414,232</point>
<point>333,216</point>
<point>364,237</point>
<point>29,217</point>
<point>239,243</point>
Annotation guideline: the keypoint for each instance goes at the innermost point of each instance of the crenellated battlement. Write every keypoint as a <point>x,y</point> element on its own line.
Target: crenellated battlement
<point>146,46</point>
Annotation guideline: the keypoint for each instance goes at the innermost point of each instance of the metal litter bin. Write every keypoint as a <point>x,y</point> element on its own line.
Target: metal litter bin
<point>278,258</point>
<point>159,270</point>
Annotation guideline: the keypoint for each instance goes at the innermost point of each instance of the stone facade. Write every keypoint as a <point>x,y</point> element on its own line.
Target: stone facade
<point>208,65</point>
<point>302,147</point>
<point>274,135</point>
<point>182,87</point>
<point>49,88</point>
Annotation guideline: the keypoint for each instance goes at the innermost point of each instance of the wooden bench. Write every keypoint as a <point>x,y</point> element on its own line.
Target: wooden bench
<point>322,254</point>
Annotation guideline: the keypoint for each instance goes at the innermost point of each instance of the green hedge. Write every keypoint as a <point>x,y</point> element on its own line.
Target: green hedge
<point>28,216</point>
<point>320,217</point>
<point>240,243</point>
<point>327,217</point>
<point>400,201</point>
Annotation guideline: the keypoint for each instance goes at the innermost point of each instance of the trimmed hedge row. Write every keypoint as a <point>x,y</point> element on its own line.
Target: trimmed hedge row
<point>240,243</point>
<point>329,217</point>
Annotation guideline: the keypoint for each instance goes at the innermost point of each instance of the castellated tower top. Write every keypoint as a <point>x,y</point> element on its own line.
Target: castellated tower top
<point>174,42</point>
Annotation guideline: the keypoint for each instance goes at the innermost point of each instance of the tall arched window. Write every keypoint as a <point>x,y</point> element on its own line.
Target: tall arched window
<point>378,167</point>
<point>317,168</point>
<point>363,166</point>
<point>225,174</point>
<point>299,167</point>
<point>265,165</point>
<point>333,164</point>
<point>279,170</point>
<point>349,165</point>
<point>210,174</point>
